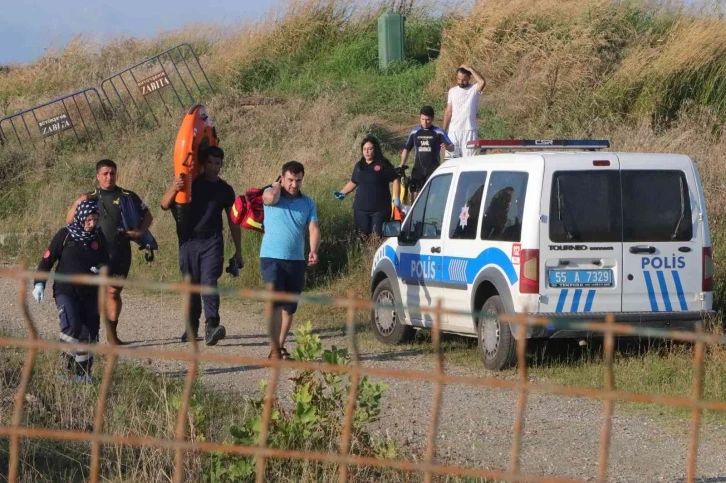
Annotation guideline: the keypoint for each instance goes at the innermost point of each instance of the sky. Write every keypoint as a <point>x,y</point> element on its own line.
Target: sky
<point>27,28</point>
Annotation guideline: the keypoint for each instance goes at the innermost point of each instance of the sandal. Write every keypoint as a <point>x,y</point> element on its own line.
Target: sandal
<point>281,354</point>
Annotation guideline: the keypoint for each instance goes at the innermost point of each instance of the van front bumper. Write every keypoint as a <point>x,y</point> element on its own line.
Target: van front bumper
<point>560,327</point>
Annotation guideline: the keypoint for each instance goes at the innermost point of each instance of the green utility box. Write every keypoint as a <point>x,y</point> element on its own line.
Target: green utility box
<point>391,36</point>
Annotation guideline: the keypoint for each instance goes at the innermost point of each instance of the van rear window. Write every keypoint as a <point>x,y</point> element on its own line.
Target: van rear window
<point>585,207</point>
<point>656,206</point>
<point>614,206</point>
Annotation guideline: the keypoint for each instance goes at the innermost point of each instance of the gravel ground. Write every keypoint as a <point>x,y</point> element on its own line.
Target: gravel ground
<point>561,434</point>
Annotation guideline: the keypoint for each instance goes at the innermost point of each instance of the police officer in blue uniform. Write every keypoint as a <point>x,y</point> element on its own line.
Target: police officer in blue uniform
<point>371,178</point>
<point>201,242</point>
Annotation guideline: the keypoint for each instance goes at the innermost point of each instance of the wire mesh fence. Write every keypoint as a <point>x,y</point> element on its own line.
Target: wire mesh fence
<point>429,468</point>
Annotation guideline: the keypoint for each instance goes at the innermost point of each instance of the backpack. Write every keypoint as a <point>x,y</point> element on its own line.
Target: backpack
<point>248,210</point>
<point>131,219</point>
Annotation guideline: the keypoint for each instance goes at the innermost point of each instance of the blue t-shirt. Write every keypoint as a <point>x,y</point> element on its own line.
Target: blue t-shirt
<point>285,226</point>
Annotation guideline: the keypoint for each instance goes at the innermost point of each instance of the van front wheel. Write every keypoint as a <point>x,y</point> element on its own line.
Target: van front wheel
<point>496,342</point>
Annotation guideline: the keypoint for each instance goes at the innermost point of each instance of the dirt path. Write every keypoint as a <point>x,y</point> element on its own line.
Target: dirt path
<point>561,435</point>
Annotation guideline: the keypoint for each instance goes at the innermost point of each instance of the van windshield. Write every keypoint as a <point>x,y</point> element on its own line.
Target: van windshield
<point>615,206</point>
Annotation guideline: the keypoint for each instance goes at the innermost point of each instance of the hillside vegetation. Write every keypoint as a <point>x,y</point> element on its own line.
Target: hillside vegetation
<point>648,77</point>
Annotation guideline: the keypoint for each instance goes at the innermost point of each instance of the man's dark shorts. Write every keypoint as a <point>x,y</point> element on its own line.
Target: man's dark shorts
<point>120,264</point>
<point>285,276</point>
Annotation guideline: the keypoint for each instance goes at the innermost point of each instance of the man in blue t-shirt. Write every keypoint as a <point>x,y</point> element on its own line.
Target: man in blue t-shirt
<point>288,215</point>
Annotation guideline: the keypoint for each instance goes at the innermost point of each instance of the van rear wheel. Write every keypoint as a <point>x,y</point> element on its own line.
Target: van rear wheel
<point>496,342</point>
<point>386,322</point>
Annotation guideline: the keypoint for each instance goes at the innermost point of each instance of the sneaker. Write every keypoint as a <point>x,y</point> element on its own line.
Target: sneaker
<point>214,333</point>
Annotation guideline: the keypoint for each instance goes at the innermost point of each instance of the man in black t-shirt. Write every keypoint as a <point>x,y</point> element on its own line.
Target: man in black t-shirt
<point>201,244</point>
<point>428,141</point>
<point>108,195</point>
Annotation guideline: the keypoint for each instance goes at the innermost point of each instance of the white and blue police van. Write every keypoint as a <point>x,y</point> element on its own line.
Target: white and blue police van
<point>573,234</point>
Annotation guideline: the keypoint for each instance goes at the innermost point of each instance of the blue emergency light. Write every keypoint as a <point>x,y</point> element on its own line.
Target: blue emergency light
<point>530,144</point>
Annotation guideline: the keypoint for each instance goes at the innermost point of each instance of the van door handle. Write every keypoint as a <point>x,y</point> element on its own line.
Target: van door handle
<point>684,249</point>
<point>435,249</point>
<point>642,249</point>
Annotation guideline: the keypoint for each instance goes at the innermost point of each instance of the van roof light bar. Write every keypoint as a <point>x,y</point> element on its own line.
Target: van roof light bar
<point>534,144</point>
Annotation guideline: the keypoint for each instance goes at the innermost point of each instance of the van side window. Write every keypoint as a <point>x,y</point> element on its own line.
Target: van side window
<point>427,217</point>
<point>585,207</point>
<point>656,206</point>
<point>467,204</point>
<point>505,198</point>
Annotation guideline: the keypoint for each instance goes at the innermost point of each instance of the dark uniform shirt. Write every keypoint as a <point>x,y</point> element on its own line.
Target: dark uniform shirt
<point>372,180</point>
<point>204,215</point>
<point>109,217</point>
<point>428,150</point>
<point>74,257</point>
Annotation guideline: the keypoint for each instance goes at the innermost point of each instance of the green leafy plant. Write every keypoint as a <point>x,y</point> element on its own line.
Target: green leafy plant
<point>316,417</point>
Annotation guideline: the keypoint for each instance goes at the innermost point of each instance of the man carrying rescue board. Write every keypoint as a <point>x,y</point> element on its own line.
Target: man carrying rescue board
<point>109,196</point>
<point>201,242</point>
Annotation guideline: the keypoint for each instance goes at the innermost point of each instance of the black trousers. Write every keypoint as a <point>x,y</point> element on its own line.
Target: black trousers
<point>203,260</point>
<point>79,323</point>
<point>367,222</point>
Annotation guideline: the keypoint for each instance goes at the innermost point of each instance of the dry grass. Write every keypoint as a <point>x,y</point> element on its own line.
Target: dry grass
<point>140,404</point>
<point>546,60</point>
<point>549,67</point>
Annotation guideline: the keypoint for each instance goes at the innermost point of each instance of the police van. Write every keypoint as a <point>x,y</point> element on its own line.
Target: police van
<point>574,235</point>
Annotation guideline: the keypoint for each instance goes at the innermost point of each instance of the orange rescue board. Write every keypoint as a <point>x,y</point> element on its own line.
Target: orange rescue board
<point>196,133</point>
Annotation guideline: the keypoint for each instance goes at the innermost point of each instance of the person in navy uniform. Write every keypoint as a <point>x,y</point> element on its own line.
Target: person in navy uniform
<point>428,141</point>
<point>79,248</point>
<point>108,196</point>
<point>201,241</point>
<point>371,178</point>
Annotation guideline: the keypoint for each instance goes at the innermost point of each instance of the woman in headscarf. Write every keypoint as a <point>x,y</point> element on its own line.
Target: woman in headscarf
<point>371,177</point>
<point>78,248</point>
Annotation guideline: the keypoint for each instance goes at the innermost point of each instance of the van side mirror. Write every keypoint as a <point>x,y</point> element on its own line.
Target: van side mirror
<point>392,228</point>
